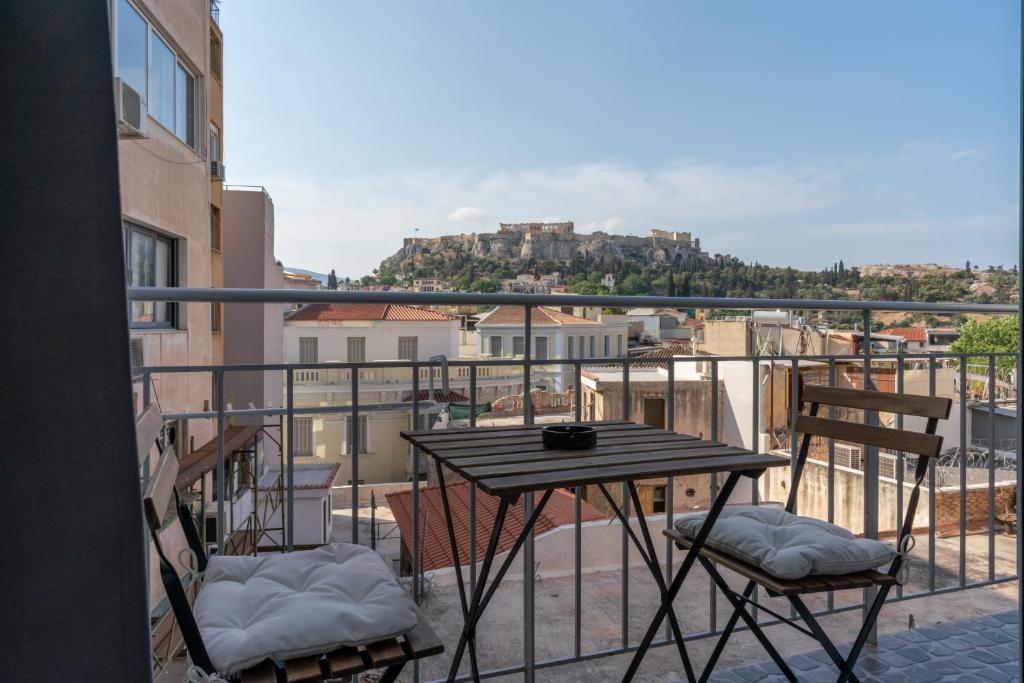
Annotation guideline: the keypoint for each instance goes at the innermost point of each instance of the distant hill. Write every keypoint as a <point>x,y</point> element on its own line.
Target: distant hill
<point>556,243</point>
<point>302,271</point>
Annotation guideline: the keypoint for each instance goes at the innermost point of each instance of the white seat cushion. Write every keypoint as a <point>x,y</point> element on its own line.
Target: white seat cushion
<point>296,604</point>
<point>785,545</point>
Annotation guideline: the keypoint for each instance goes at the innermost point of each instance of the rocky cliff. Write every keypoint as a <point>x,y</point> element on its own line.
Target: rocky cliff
<point>552,242</point>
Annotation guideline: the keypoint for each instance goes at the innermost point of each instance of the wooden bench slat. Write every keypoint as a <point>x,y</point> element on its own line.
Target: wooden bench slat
<point>304,670</point>
<point>147,428</point>
<point>906,404</point>
<point>533,445</point>
<point>509,428</point>
<point>895,439</point>
<point>596,457</point>
<point>160,489</point>
<point>724,460</point>
<point>484,440</point>
<point>385,653</point>
<point>265,672</point>
<point>422,640</point>
<point>345,662</point>
<point>778,587</point>
<point>603,448</point>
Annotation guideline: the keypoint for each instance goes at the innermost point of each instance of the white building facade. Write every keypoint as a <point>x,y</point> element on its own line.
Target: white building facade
<point>501,333</point>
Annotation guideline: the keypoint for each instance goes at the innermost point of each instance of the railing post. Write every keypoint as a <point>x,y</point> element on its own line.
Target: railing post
<point>289,507</point>
<point>353,439</point>
<point>528,569</point>
<point>527,356</point>
<point>218,379</point>
<point>964,454</point>
<point>870,472</point>
<point>415,487</point>
<point>991,467</point>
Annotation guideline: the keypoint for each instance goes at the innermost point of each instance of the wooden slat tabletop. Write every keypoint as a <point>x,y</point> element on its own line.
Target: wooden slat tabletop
<point>512,459</point>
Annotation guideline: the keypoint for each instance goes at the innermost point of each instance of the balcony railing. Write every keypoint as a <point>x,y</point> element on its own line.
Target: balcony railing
<point>961,484</point>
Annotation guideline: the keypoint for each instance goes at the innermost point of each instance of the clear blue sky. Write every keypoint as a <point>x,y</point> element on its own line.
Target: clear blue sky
<point>796,132</point>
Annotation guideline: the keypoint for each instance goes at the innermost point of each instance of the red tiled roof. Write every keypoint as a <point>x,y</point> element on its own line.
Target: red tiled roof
<point>914,334</point>
<point>513,315</point>
<point>343,312</point>
<point>202,460</point>
<point>440,395</point>
<point>434,544</point>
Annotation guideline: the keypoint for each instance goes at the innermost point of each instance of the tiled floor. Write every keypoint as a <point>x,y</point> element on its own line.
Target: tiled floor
<point>983,649</point>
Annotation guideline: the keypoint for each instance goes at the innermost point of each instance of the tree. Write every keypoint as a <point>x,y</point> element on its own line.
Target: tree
<point>332,280</point>
<point>998,335</point>
<point>633,285</point>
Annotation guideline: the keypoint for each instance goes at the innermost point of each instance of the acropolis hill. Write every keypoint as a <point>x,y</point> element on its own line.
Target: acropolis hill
<point>553,242</point>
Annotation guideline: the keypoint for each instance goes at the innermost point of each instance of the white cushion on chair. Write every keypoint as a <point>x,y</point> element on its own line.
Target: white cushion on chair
<point>785,545</point>
<point>291,605</point>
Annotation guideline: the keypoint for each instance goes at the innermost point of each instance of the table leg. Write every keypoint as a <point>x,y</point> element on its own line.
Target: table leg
<point>651,560</point>
<point>684,569</point>
<point>457,562</point>
<point>483,593</point>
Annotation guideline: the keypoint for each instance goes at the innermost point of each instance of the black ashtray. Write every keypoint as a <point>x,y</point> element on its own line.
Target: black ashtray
<point>569,437</point>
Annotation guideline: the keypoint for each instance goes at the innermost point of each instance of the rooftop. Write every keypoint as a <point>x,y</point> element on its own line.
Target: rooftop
<point>383,312</point>
<point>539,317</point>
<point>559,511</point>
<point>911,334</point>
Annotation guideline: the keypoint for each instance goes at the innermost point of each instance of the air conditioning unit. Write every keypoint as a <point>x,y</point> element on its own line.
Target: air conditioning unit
<point>131,111</point>
<point>217,170</point>
<point>848,456</point>
<point>137,346</point>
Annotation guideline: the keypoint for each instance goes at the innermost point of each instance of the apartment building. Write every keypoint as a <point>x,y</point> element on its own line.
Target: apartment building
<point>168,67</point>
<point>369,333</point>
<point>254,333</point>
<point>501,333</point>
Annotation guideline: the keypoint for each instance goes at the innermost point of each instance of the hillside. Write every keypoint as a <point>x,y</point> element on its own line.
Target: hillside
<point>673,264</point>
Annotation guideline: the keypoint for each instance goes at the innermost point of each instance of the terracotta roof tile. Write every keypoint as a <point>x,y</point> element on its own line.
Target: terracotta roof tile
<point>914,334</point>
<point>539,315</point>
<point>434,544</point>
<point>344,312</point>
<point>440,395</point>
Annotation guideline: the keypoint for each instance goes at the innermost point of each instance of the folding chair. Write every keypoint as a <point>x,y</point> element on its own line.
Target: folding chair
<point>926,445</point>
<point>388,653</point>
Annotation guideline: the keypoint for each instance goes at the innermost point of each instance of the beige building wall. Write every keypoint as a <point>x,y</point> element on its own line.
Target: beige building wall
<point>166,188</point>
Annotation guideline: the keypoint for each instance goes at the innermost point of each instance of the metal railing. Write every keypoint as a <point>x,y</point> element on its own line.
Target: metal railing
<point>865,362</point>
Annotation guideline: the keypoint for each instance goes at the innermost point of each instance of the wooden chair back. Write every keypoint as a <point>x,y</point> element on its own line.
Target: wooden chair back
<point>927,443</point>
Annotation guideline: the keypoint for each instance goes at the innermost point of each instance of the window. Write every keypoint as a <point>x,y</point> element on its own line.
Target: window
<point>618,345</point>
<point>149,65</point>
<point>356,349</point>
<point>151,262</point>
<point>132,32</point>
<point>161,82</point>
<point>185,105</point>
<point>216,316</point>
<point>495,346</point>
<point>593,346</point>
<point>308,349</point>
<point>658,499</point>
<point>607,346</point>
<point>583,347</point>
<point>540,347</point>
<point>214,142</point>
<point>518,346</point>
<point>407,348</point>
<point>215,228</point>
<point>303,442</point>
<point>363,434</point>
<point>569,345</point>
<point>215,55</point>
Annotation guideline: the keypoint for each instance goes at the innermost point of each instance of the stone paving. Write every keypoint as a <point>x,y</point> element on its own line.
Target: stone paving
<point>983,649</point>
